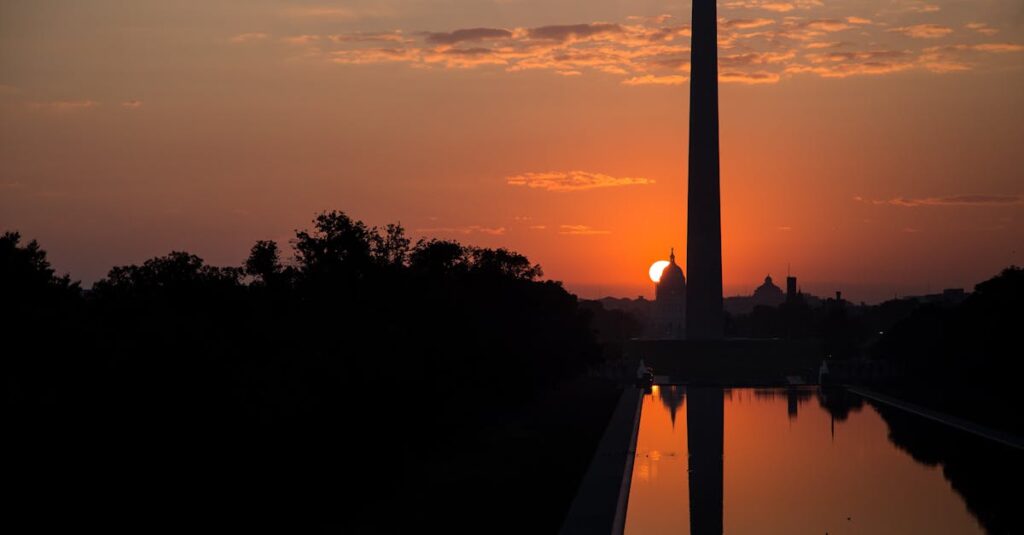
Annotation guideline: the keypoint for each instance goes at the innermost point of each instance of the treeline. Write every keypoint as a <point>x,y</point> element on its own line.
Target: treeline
<point>845,329</point>
<point>965,359</point>
<point>961,357</point>
<point>345,366</point>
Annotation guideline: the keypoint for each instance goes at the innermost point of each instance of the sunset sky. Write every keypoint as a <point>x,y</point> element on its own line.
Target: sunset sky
<point>875,146</point>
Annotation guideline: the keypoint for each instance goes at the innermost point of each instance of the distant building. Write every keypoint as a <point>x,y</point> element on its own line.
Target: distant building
<point>949,296</point>
<point>669,319</point>
<point>768,294</point>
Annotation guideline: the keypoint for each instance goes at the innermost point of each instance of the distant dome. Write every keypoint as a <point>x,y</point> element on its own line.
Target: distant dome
<point>669,321</point>
<point>672,278</point>
<point>768,293</point>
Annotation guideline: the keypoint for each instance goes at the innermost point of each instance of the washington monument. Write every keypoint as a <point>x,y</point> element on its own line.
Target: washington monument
<point>704,316</point>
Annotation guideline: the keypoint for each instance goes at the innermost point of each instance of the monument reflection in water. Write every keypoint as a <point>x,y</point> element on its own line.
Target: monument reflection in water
<point>778,461</point>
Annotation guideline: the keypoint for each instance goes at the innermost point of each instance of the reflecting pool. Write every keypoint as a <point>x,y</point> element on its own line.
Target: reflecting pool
<point>712,460</point>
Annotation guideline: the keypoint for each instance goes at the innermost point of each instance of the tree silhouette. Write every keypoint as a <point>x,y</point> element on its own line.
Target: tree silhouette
<point>264,262</point>
<point>336,247</point>
<point>26,275</point>
<point>390,247</point>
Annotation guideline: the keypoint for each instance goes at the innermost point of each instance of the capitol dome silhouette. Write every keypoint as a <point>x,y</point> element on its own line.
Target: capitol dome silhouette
<point>672,279</point>
<point>670,302</point>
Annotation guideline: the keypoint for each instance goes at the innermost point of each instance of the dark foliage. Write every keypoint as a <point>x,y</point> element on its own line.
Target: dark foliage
<point>314,387</point>
<point>965,359</point>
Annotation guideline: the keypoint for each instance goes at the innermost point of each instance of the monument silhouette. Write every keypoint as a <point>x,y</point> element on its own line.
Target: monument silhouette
<point>704,315</point>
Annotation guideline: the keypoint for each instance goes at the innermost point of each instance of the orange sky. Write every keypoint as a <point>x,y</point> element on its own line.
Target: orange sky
<point>874,146</point>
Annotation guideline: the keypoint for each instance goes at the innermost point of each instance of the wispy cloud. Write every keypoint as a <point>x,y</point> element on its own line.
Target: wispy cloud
<point>981,28</point>
<point>249,37</point>
<point>777,6</point>
<point>468,35</point>
<point>749,77</point>
<point>133,104</point>
<point>923,31</point>
<point>743,24</point>
<point>652,51</point>
<point>563,181</point>
<point>955,200</point>
<point>920,7</point>
<point>650,79</point>
<point>996,48</point>
<point>581,230</point>
<point>471,229</point>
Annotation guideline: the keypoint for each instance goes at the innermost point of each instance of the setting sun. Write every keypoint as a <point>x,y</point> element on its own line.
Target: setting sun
<point>656,269</point>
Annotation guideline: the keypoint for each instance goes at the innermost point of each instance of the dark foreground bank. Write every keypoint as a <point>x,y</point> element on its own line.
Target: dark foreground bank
<point>368,384</point>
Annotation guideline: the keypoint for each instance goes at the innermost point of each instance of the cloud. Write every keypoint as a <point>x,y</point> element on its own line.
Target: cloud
<point>581,230</point>
<point>981,28</point>
<point>923,31</point>
<point>749,77</point>
<point>826,25</point>
<point>64,105</point>
<point>468,35</point>
<point>395,36</point>
<point>755,58</point>
<point>823,44</point>
<point>652,51</point>
<point>943,67</point>
<point>953,58</point>
<point>955,200</point>
<point>744,24</point>
<point>650,79</point>
<point>132,104</point>
<point>575,32</point>
<point>773,5</point>
<point>844,70</point>
<point>779,7</point>
<point>375,55</point>
<point>465,57</point>
<point>471,229</point>
<point>538,227</point>
<point>995,47</point>
<point>563,181</point>
<point>249,37</point>
<point>922,8</point>
<point>301,39</point>
<point>864,55</point>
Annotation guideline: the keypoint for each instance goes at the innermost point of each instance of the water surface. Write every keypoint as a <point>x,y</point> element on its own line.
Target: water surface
<point>781,461</point>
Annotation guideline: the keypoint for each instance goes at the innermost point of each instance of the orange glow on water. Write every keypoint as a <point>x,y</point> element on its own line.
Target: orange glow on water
<point>784,473</point>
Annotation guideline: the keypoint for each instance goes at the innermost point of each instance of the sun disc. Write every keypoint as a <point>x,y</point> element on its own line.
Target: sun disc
<point>656,269</point>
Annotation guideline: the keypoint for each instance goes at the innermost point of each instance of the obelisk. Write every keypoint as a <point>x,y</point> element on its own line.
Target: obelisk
<point>704,316</point>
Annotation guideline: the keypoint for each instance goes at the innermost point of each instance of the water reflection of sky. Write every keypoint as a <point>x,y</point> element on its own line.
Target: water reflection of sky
<point>789,467</point>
